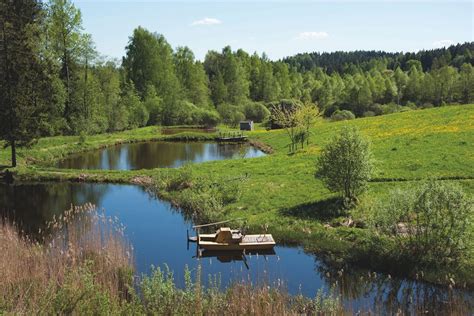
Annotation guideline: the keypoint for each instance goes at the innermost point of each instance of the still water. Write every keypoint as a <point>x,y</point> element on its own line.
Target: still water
<point>158,235</point>
<point>148,155</point>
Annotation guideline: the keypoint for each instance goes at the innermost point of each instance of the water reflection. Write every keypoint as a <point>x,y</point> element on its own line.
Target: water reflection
<point>388,295</point>
<point>31,206</point>
<point>150,155</point>
<point>158,235</point>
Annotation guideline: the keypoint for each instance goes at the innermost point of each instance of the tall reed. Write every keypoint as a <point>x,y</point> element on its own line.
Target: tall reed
<point>84,251</point>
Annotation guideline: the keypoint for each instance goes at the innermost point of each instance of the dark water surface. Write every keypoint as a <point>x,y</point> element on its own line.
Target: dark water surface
<point>158,235</point>
<point>148,155</point>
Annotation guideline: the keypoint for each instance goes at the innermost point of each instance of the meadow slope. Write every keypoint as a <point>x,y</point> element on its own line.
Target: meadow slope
<point>282,193</point>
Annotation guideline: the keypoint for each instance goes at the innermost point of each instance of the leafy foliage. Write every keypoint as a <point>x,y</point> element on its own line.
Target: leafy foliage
<point>430,223</point>
<point>342,115</point>
<point>345,164</point>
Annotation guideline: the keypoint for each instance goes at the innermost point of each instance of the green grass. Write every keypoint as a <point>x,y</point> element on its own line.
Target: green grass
<point>282,191</point>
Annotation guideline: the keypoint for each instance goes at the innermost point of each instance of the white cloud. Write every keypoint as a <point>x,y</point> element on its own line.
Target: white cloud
<point>442,43</point>
<point>207,21</point>
<point>312,35</point>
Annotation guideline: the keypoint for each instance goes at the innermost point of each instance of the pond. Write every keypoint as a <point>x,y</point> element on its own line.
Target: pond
<point>158,235</point>
<point>149,155</point>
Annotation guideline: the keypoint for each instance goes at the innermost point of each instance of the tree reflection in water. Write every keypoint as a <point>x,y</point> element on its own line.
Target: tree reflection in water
<point>31,206</point>
<point>148,155</point>
<point>383,294</point>
<point>147,219</point>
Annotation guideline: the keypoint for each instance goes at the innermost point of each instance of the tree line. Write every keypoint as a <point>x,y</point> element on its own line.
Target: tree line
<point>53,80</point>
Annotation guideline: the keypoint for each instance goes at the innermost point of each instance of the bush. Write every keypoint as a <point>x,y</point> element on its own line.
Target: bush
<point>345,165</point>
<point>376,108</point>
<point>342,115</point>
<point>427,105</point>
<point>411,105</point>
<point>184,113</point>
<point>391,108</point>
<point>429,223</point>
<point>231,114</point>
<point>256,111</point>
<point>82,138</point>
<point>330,110</point>
<point>209,118</point>
<point>368,114</point>
<point>405,109</point>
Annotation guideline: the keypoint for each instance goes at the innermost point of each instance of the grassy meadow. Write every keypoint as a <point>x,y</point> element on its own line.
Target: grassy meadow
<point>281,191</point>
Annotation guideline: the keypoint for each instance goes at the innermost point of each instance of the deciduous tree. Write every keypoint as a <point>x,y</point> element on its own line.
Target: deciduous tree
<point>346,165</point>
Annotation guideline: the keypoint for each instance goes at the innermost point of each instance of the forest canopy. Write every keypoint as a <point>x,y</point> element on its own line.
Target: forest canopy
<point>156,84</point>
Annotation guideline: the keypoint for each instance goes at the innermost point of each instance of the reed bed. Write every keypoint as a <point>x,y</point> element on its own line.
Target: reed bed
<point>83,253</point>
<point>82,264</point>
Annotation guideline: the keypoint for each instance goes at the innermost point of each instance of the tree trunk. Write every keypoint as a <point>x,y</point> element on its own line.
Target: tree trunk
<point>13,145</point>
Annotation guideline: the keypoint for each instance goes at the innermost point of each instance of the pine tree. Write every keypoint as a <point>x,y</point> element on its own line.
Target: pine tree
<point>25,87</point>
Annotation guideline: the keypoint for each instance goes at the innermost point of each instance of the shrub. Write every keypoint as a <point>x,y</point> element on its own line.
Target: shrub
<point>368,114</point>
<point>342,115</point>
<point>209,118</point>
<point>184,113</point>
<point>376,108</point>
<point>345,165</point>
<point>411,105</point>
<point>256,111</point>
<point>405,109</point>
<point>236,118</point>
<point>82,138</point>
<point>427,105</point>
<point>231,114</point>
<point>330,110</point>
<point>391,108</point>
<point>429,223</point>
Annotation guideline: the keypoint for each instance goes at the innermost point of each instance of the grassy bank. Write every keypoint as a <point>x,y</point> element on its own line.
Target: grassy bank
<point>282,193</point>
<point>87,270</point>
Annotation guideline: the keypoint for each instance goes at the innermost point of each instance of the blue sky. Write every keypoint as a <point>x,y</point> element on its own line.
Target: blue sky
<point>281,28</point>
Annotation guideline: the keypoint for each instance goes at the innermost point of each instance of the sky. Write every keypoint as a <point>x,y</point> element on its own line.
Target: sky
<point>281,28</point>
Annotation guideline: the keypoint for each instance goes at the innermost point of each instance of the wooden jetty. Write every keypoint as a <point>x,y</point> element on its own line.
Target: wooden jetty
<point>226,239</point>
<point>231,137</point>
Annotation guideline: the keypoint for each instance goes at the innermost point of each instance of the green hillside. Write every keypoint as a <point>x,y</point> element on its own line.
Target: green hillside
<point>281,191</point>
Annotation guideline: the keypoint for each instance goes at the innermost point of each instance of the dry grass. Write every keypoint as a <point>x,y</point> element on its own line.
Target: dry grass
<point>83,264</point>
<point>81,243</point>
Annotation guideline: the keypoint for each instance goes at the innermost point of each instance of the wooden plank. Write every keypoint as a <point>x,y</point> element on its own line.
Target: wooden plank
<point>216,223</point>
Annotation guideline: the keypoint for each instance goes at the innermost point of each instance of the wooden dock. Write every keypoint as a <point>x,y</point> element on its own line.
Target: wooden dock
<point>231,137</point>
